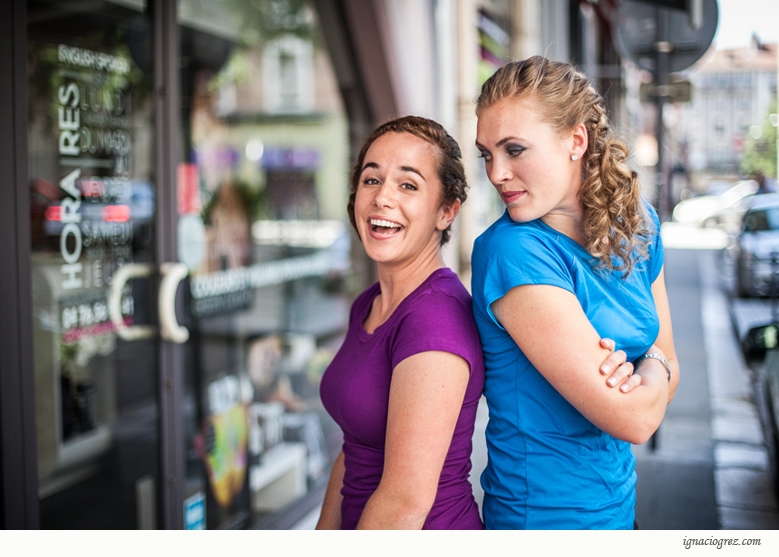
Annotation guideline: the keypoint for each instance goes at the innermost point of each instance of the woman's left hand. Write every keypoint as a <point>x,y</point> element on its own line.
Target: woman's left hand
<point>617,370</point>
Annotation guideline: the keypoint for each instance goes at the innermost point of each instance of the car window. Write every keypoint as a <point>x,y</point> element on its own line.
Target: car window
<point>758,221</point>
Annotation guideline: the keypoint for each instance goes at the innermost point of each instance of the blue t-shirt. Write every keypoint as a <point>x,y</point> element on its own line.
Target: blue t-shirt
<point>549,467</point>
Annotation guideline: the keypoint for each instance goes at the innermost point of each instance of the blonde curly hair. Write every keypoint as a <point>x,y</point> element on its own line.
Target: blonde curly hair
<point>616,228</point>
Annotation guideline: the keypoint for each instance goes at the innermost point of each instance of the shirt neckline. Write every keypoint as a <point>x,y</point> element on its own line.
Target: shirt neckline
<point>585,256</point>
<point>365,335</point>
<point>541,224</point>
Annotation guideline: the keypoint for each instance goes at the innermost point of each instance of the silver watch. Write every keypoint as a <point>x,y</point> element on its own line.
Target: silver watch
<point>655,357</point>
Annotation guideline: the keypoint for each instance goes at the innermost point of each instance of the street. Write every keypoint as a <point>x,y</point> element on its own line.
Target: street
<point>711,468</point>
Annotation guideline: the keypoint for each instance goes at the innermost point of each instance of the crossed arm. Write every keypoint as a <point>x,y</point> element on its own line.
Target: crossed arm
<point>550,327</point>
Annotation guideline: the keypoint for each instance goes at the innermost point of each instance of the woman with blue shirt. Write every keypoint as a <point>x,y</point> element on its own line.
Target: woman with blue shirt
<point>576,257</point>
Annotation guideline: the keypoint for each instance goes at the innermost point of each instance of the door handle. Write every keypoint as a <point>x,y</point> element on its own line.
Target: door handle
<point>121,277</point>
<point>172,275</point>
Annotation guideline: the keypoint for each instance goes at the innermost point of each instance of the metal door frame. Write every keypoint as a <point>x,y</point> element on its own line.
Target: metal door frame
<point>18,451</point>
<point>165,46</point>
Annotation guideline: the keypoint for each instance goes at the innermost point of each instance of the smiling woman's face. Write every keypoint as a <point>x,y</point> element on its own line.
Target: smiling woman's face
<point>527,161</point>
<point>397,208</point>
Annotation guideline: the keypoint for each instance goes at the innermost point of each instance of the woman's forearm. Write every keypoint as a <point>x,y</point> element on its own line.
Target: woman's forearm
<point>650,398</point>
<point>330,517</point>
<point>673,364</point>
<point>389,509</point>
<point>665,340</point>
<point>426,398</point>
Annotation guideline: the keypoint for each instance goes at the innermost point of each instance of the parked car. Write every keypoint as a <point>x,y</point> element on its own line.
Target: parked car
<point>717,187</point>
<point>761,350</point>
<point>724,210</point>
<point>756,245</point>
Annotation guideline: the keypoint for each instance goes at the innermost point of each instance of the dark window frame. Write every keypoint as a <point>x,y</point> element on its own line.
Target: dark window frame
<point>18,452</point>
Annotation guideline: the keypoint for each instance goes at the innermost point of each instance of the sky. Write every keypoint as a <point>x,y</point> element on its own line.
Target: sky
<point>739,18</point>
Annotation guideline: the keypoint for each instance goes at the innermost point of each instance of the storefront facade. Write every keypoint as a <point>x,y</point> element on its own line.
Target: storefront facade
<point>177,263</point>
<point>180,267</point>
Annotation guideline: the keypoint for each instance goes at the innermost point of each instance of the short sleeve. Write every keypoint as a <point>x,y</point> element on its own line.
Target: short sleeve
<point>656,252</point>
<point>437,322</point>
<point>523,257</point>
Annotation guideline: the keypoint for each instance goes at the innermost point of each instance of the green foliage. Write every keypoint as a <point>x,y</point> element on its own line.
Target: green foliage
<point>47,74</point>
<point>253,200</point>
<point>760,153</point>
<point>262,21</point>
<point>265,20</point>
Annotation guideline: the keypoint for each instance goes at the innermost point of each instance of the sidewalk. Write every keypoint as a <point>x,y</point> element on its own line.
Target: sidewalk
<point>676,488</point>
<point>711,468</point>
<point>746,494</point>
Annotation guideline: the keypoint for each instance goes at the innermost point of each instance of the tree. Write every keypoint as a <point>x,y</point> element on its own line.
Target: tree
<point>760,151</point>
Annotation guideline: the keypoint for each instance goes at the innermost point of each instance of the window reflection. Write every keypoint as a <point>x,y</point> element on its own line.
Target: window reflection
<point>262,195</point>
<point>92,209</point>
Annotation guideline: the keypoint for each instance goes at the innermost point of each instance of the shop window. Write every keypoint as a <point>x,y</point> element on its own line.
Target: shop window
<point>264,186</point>
<point>263,233</point>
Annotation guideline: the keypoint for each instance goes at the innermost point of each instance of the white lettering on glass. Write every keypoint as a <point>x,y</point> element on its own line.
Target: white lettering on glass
<point>70,216</point>
<point>69,119</point>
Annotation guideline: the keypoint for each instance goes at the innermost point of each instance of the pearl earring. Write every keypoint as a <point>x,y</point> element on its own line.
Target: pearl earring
<point>574,157</point>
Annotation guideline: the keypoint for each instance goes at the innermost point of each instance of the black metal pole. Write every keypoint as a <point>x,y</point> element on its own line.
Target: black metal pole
<point>774,289</point>
<point>662,51</point>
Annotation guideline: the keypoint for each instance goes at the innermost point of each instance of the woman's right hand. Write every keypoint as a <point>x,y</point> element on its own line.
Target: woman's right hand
<point>617,370</point>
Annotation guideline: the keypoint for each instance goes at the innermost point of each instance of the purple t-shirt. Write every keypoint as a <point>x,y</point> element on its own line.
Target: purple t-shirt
<point>437,316</point>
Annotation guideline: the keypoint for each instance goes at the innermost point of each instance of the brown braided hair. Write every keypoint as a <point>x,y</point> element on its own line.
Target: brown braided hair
<point>616,228</point>
<point>450,169</point>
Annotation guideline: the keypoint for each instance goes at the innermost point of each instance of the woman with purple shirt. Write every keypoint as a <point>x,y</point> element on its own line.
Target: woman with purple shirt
<point>406,383</point>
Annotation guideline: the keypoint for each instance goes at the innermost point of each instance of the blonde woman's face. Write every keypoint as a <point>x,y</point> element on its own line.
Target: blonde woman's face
<point>528,162</point>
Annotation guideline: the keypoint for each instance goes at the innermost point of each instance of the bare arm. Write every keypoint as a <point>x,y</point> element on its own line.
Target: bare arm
<point>665,339</point>
<point>330,517</point>
<point>550,327</point>
<point>426,396</point>
<point>664,345</point>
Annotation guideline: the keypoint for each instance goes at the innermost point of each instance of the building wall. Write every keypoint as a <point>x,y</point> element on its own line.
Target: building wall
<point>732,91</point>
<point>436,61</point>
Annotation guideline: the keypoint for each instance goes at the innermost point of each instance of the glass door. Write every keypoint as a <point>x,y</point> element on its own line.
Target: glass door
<point>257,159</point>
<point>92,188</point>
<point>264,233</point>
